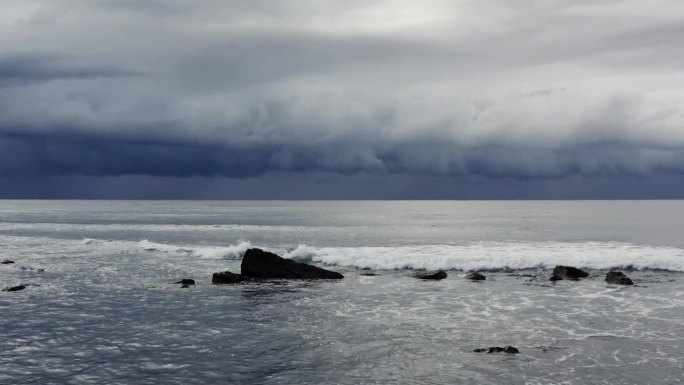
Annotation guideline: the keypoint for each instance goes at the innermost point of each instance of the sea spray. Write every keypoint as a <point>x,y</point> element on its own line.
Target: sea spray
<point>494,256</point>
<point>206,252</point>
<point>303,254</point>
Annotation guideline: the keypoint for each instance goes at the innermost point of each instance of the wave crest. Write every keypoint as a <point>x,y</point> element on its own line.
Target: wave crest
<point>303,254</point>
<point>213,252</point>
<point>493,256</point>
<point>498,256</point>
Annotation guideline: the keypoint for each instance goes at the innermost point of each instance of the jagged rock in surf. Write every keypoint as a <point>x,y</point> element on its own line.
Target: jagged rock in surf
<point>498,349</point>
<point>568,272</point>
<point>437,275</point>
<point>257,263</point>
<point>476,276</point>
<point>16,288</point>
<point>186,281</point>
<point>618,278</point>
<point>6,262</point>
<point>226,277</point>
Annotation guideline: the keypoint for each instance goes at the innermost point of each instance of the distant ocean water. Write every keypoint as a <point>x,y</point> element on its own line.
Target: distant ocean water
<point>101,306</point>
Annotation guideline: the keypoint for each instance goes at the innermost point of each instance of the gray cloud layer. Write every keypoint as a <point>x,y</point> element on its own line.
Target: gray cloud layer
<point>23,70</point>
<point>533,91</point>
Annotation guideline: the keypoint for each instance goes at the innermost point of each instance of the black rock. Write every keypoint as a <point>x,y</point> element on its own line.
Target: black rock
<point>225,277</point>
<point>555,278</point>
<point>186,281</point>
<point>569,272</point>
<point>437,275</point>
<point>476,276</point>
<point>16,288</point>
<point>498,349</point>
<point>6,262</point>
<point>257,263</point>
<point>618,278</point>
<point>368,274</point>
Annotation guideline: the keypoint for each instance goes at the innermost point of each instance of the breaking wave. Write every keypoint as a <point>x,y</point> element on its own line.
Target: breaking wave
<point>214,252</point>
<point>304,254</point>
<point>467,256</point>
<point>497,256</point>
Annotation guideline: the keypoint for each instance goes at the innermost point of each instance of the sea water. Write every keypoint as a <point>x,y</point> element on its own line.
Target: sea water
<point>101,304</point>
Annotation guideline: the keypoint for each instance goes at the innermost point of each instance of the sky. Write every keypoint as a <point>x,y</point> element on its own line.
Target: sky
<point>390,99</point>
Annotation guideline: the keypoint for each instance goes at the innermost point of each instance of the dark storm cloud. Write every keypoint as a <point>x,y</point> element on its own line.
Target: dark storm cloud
<point>66,154</point>
<point>534,91</point>
<point>42,155</point>
<point>332,186</point>
<point>26,69</point>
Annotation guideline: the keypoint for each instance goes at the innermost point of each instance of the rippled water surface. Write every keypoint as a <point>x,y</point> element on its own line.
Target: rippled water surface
<point>101,305</point>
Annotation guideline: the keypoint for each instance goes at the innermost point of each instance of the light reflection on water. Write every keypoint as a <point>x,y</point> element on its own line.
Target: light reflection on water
<point>384,329</point>
<point>108,312</point>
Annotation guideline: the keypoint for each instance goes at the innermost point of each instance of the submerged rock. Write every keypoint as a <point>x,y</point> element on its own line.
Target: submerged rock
<point>437,275</point>
<point>476,276</point>
<point>368,274</point>
<point>225,277</point>
<point>569,272</point>
<point>498,349</point>
<point>16,288</point>
<point>186,281</point>
<point>618,278</point>
<point>6,262</point>
<point>257,263</point>
<point>555,278</point>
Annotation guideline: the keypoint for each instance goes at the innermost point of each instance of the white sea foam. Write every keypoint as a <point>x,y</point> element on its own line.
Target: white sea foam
<point>304,254</point>
<point>213,252</point>
<point>497,255</point>
<point>154,246</point>
<point>228,252</point>
<point>467,256</point>
<point>154,366</point>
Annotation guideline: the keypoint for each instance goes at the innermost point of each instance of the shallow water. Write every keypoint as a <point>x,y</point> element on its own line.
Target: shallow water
<point>102,306</point>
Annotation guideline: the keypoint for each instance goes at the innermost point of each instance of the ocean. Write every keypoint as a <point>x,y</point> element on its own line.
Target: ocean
<point>101,304</point>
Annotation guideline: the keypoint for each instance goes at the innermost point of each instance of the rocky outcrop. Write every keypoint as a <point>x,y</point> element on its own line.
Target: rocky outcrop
<point>475,276</point>
<point>225,278</point>
<point>6,262</point>
<point>568,272</point>
<point>436,275</point>
<point>16,288</point>
<point>618,278</point>
<point>257,263</point>
<point>186,281</point>
<point>498,349</point>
